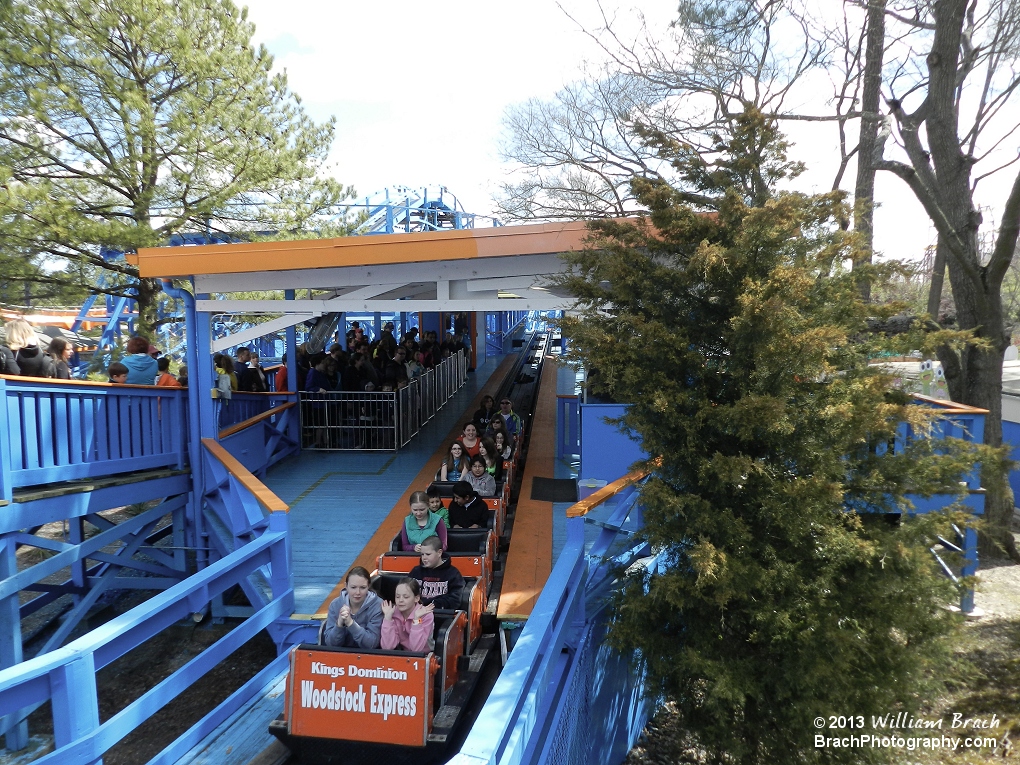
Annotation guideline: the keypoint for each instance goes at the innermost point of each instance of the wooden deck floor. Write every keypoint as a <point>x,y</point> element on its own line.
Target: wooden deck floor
<point>339,499</point>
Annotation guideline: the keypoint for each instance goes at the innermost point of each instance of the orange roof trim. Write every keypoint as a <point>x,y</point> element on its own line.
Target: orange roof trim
<point>377,249</point>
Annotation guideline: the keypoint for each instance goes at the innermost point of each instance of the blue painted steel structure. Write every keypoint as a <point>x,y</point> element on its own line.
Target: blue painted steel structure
<point>406,209</point>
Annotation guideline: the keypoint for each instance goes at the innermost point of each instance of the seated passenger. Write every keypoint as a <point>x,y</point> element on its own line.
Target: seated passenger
<point>498,425</point>
<point>484,414</point>
<point>455,464</point>
<point>436,504</point>
<point>420,524</point>
<point>354,619</point>
<point>467,511</point>
<point>407,624</point>
<point>504,448</point>
<point>480,479</point>
<point>493,460</point>
<point>441,583</point>
<point>469,439</point>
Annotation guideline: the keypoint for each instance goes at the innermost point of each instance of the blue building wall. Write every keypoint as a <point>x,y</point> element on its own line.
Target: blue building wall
<point>1011,436</point>
<point>606,453</point>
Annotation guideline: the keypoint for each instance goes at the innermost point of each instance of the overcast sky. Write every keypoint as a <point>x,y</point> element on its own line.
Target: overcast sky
<point>418,90</point>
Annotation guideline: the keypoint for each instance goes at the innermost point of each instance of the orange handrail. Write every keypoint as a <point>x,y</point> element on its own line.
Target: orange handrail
<point>254,420</point>
<point>259,490</point>
<point>586,505</point>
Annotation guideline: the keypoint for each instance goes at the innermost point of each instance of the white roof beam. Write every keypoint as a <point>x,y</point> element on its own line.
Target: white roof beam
<point>266,328</point>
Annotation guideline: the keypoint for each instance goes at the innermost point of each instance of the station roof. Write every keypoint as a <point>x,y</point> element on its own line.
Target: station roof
<point>506,268</point>
<point>373,250</point>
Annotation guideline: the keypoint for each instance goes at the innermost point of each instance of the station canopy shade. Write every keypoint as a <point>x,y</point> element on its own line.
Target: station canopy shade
<point>505,268</point>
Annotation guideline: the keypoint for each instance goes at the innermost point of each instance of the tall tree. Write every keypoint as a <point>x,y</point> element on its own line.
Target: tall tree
<point>746,368</point>
<point>950,117</point>
<point>946,73</point>
<point>574,155</point>
<point>124,121</point>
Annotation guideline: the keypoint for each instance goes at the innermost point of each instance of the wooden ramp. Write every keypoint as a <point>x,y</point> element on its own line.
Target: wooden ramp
<point>380,541</point>
<point>530,558</point>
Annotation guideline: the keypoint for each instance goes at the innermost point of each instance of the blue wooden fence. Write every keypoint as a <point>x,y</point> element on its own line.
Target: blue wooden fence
<point>563,697</point>
<point>66,677</point>
<point>68,430</point>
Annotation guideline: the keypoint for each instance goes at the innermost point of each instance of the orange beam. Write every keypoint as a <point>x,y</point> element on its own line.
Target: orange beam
<point>529,561</point>
<point>256,419</point>
<point>266,498</point>
<point>380,541</point>
<point>360,250</point>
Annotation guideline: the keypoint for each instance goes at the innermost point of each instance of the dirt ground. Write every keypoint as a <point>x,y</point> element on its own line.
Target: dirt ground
<point>984,682</point>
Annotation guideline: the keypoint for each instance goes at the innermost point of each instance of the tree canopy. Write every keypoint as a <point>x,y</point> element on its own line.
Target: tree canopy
<point>124,122</point>
<point>796,584</point>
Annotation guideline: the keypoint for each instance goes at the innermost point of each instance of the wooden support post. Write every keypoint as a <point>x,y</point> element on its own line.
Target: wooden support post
<point>10,633</point>
<point>79,576</point>
<point>75,700</point>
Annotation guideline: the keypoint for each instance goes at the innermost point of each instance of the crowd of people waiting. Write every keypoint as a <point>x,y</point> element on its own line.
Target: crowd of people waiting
<point>382,364</point>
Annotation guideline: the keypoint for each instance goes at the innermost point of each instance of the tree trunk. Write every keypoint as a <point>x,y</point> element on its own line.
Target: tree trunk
<point>938,277</point>
<point>147,297</point>
<point>974,375</point>
<point>864,189</point>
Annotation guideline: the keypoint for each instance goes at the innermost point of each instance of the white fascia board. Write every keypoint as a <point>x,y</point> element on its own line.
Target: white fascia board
<point>309,307</point>
<point>540,301</point>
<point>505,283</point>
<point>390,273</point>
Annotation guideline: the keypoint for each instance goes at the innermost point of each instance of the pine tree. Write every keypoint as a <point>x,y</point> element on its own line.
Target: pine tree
<point>736,332</point>
<point>125,121</point>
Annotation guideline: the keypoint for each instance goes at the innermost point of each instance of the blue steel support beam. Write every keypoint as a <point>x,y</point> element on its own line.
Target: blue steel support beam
<point>200,388</point>
<point>290,358</point>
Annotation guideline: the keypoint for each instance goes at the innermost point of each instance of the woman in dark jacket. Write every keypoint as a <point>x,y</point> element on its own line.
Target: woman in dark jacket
<point>30,358</point>
<point>60,352</point>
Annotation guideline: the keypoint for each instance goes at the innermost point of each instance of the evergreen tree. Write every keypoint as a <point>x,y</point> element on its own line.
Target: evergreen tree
<point>736,332</point>
<point>122,122</point>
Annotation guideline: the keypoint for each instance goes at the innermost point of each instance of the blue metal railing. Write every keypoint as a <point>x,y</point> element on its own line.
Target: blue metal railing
<point>243,406</point>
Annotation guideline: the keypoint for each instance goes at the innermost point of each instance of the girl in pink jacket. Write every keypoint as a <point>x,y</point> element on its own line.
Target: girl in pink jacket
<point>407,624</point>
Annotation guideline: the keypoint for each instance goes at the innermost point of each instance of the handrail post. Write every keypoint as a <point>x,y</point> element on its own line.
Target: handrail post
<point>10,629</point>
<point>6,479</point>
<point>282,578</point>
<point>74,700</point>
